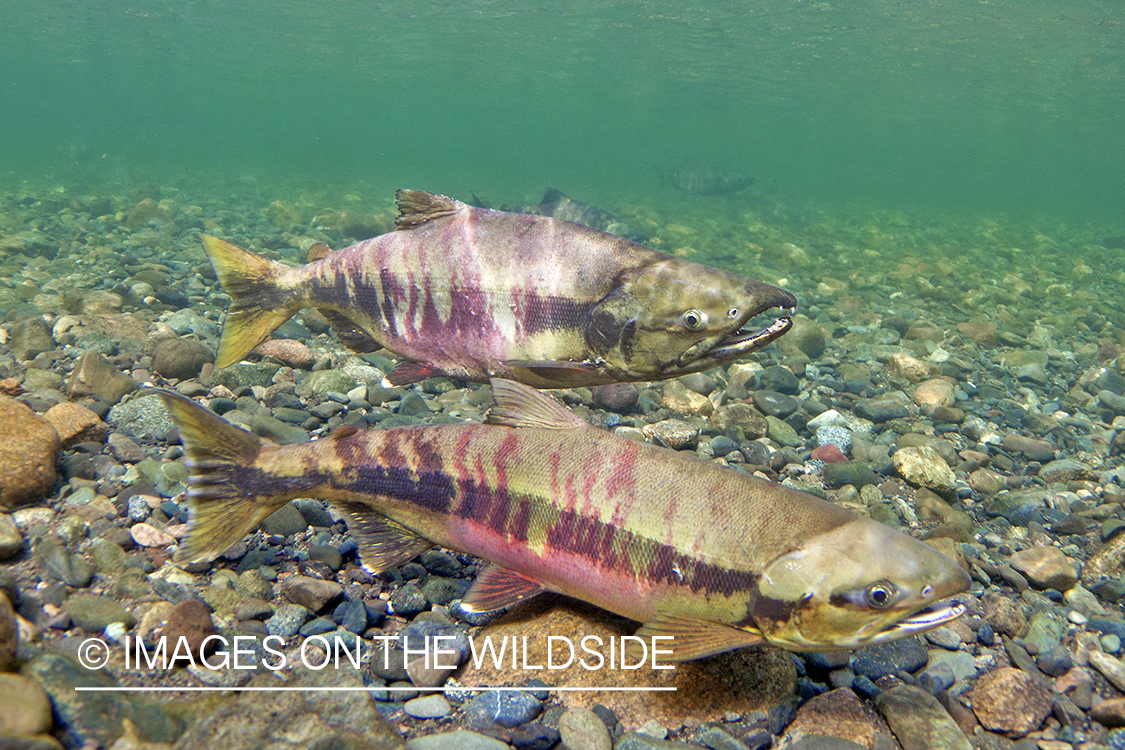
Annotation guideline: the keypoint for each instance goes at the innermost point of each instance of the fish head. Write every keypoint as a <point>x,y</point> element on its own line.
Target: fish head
<point>673,317</point>
<point>857,585</point>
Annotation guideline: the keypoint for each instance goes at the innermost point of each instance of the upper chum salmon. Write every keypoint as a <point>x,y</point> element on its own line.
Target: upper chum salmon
<point>701,552</point>
<point>475,294</point>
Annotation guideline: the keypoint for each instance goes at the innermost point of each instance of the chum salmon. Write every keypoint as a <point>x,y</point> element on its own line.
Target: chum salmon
<point>707,554</point>
<point>474,293</point>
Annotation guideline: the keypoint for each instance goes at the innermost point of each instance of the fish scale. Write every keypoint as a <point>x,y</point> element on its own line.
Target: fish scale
<point>692,549</point>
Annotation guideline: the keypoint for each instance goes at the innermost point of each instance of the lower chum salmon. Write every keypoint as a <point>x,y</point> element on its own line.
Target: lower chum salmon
<point>474,293</point>
<point>704,553</point>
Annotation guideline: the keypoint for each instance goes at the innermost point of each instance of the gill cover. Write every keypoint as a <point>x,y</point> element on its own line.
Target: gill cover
<point>822,596</point>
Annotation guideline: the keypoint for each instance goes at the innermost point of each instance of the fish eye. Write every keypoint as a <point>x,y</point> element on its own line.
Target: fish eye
<point>694,319</point>
<point>880,594</point>
<point>733,313</point>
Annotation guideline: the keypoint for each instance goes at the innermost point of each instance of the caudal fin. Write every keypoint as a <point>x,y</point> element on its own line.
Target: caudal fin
<point>219,513</point>
<point>259,302</point>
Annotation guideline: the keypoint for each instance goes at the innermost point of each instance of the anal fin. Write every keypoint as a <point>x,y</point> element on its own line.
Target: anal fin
<point>352,336</point>
<point>497,587</point>
<point>694,639</point>
<point>383,543</point>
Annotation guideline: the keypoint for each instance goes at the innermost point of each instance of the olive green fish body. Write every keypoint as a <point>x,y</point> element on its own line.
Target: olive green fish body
<point>556,505</point>
<point>475,293</point>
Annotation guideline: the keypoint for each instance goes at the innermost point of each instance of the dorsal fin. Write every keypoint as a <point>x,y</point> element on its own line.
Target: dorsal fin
<point>519,405</point>
<point>416,207</point>
<point>318,250</point>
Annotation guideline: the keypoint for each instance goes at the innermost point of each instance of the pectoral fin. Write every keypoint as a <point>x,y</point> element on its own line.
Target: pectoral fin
<point>410,372</point>
<point>695,639</point>
<point>497,587</point>
<point>383,543</point>
<point>563,373</point>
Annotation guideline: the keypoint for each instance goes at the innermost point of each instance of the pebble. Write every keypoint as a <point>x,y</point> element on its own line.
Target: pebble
<point>1010,701</point>
<point>508,708</point>
<point>919,721</point>
<point>146,535</point>
<point>1046,567</point>
<point>581,728</point>
<point>9,633</point>
<point>457,740</point>
<point>924,466</point>
<point>906,655</point>
<point>11,540</point>
<point>427,707</point>
<point>673,433</point>
<point>774,404</point>
<point>313,594</point>
<point>1111,668</point>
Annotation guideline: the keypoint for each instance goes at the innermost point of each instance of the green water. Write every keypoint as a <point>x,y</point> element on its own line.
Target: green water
<point>989,105</point>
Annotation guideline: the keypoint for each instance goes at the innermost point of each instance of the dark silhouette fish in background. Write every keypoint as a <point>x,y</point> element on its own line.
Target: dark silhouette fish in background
<point>474,293</point>
<point>558,205</point>
<point>695,178</point>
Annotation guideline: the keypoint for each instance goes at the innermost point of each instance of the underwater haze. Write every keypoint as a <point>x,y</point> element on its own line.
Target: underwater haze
<point>1015,107</point>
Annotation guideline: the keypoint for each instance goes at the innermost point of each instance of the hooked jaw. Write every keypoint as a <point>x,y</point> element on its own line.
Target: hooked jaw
<point>742,341</point>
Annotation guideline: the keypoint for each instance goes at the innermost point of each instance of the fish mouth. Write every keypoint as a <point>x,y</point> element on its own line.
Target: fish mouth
<point>743,341</point>
<point>927,618</point>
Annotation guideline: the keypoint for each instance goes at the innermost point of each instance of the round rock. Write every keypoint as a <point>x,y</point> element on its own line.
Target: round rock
<point>181,358</point>
<point>924,466</point>
<point>1008,700</point>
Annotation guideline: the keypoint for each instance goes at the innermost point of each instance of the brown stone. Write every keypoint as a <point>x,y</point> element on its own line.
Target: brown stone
<point>27,454</point>
<point>1110,712</point>
<point>678,397</point>
<point>312,593</point>
<point>1005,616</point>
<point>919,721</point>
<point>25,710</point>
<point>1046,568</point>
<point>1009,700</point>
<point>937,391</point>
<point>910,368</point>
<point>289,352</point>
<point>981,332</point>
<point>839,713</point>
<point>753,424</point>
<point>94,375</point>
<point>76,424</point>
<point>189,625</point>
<point>9,634</point>
<point>739,681</point>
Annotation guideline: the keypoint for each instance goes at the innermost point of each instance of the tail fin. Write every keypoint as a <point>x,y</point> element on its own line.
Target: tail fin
<point>260,304</point>
<point>220,514</point>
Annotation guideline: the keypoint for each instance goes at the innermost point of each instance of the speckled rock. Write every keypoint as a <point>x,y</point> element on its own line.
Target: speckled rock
<point>1046,568</point>
<point>1004,615</point>
<point>924,466</point>
<point>1010,701</point>
<point>27,454</point>
<point>673,433</point>
<point>743,416</point>
<point>508,708</point>
<point>144,418</point>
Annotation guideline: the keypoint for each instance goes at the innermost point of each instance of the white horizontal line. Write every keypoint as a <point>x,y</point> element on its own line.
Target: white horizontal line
<point>288,688</point>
